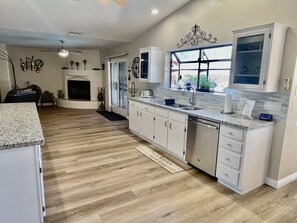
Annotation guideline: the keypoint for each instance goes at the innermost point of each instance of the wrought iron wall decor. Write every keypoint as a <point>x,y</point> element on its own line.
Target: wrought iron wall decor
<point>195,37</point>
<point>31,64</point>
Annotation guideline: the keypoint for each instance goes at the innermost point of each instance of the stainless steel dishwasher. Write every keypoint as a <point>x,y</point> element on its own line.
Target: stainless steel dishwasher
<point>202,144</point>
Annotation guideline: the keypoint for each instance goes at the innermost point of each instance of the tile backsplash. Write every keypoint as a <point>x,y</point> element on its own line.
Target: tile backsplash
<point>216,101</point>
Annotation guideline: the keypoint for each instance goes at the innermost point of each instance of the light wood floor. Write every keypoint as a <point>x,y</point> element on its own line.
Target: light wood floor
<point>93,173</point>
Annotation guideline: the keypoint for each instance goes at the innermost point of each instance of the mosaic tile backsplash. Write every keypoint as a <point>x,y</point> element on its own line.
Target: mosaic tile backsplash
<point>216,101</point>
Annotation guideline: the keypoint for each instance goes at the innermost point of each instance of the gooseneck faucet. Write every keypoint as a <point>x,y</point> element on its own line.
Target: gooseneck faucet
<point>191,100</point>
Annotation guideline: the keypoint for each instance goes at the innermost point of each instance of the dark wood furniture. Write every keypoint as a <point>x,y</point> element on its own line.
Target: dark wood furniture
<point>47,97</point>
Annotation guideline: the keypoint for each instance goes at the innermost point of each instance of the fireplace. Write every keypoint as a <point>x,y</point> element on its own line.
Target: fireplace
<point>78,89</point>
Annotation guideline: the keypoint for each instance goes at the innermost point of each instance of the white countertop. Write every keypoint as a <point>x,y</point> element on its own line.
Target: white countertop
<point>235,120</point>
<point>19,126</point>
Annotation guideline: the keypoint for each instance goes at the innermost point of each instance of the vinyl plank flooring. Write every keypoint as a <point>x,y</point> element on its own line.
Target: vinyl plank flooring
<point>94,174</point>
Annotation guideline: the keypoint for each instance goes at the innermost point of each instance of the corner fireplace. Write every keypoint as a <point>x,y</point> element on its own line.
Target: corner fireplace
<point>78,89</point>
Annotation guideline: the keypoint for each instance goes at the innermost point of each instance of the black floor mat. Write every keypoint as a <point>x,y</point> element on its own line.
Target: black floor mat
<point>111,116</point>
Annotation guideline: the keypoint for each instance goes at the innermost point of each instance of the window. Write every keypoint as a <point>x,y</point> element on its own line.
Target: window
<point>195,66</point>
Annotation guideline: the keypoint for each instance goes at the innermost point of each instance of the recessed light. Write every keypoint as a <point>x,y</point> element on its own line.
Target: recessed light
<point>71,33</point>
<point>154,11</point>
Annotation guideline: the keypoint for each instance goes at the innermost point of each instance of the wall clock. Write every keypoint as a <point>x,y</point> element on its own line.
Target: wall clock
<point>135,67</point>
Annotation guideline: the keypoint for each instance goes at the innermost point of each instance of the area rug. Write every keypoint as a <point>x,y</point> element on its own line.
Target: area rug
<point>111,116</point>
<point>162,161</point>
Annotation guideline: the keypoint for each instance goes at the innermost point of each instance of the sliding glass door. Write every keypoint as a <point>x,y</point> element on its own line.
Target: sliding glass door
<point>118,86</point>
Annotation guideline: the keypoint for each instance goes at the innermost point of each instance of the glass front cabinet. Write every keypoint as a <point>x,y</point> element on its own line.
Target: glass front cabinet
<point>257,57</point>
<point>150,64</point>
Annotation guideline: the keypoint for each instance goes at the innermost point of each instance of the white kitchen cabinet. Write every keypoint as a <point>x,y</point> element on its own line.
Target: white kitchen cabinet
<point>257,57</point>
<point>134,109</point>
<point>141,119</point>
<point>243,157</point>
<point>150,64</point>
<point>146,125</point>
<point>177,134</point>
<point>21,187</point>
<point>161,127</point>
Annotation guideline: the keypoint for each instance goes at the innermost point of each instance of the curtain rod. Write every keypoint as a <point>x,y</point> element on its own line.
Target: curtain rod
<point>117,55</point>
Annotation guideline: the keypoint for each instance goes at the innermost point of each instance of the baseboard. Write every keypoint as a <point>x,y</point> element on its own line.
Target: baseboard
<point>280,183</point>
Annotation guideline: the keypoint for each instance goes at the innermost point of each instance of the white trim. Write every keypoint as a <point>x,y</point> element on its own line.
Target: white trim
<point>280,183</point>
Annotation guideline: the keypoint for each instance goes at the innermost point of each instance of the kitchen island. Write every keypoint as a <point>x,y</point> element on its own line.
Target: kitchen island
<point>21,187</point>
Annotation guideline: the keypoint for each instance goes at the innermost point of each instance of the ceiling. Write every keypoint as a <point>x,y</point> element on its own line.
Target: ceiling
<point>102,23</point>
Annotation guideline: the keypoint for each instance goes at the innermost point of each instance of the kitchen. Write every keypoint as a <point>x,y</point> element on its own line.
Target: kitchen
<point>281,169</point>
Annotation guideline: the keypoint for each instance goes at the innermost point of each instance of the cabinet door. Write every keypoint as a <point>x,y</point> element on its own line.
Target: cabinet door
<point>146,124</point>
<point>133,119</point>
<point>144,65</point>
<point>160,131</point>
<point>176,138</point>
<point>249,59</point>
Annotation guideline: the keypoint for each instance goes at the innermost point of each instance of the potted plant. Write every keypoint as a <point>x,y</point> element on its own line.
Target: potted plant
<point>206,84</point>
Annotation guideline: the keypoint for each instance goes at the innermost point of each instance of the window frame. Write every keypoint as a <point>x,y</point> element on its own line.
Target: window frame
<point>199,62</point>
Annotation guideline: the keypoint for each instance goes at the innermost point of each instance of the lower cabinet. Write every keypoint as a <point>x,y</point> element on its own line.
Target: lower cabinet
<point>21,187</point>
<point>177,134</point>
<point>164,128</point>
<point>243,157</point>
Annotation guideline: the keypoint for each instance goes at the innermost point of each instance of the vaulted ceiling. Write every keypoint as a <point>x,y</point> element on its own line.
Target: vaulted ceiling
<point>102,23</point>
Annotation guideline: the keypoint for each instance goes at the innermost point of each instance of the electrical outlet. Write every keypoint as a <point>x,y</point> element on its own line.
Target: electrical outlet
<point>272,106</point>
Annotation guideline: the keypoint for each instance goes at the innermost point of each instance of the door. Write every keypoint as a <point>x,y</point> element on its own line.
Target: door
<point>160,133</point>
<point>118,86</point>
<point>146,124</point>
<point>176,138</point>
<point>249,59</point>
<point>134,119</point>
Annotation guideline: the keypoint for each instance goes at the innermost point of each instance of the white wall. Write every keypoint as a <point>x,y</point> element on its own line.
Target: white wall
<point>221,17</point>
<point>50,77</point>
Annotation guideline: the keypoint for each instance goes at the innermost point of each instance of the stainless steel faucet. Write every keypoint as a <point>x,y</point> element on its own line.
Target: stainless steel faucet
<point>191,100</point>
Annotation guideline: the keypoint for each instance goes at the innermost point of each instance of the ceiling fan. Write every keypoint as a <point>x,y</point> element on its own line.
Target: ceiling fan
<point>120,2</point>
<point>62,51</point>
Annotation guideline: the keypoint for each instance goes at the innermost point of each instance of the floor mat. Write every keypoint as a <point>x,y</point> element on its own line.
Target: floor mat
<point>111,116</point>
<point>159,159</point>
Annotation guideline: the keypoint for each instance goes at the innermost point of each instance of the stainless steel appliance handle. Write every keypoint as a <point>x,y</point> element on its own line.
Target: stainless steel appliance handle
<point>206,125</point>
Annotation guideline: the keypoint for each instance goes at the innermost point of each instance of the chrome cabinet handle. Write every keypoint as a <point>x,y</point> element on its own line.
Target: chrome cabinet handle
<point>230,133</point>
<point>170,125</point>
<point>137,113</point>
<point>229,145</point>
<point>141,114</point>
<point>228,159</point>
<point>165,123</point>
<point>227,175</point>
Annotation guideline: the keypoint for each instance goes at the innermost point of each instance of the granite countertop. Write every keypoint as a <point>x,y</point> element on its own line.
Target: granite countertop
<point>235,120</point>
<point>19,126</point>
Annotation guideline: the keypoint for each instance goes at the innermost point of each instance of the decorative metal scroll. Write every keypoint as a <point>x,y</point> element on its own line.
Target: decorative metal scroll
<point>195,37</point>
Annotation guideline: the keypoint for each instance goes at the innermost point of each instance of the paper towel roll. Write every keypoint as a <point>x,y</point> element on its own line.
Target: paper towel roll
<point>228,103</point>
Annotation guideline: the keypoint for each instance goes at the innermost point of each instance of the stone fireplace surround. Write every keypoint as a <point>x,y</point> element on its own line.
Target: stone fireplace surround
<point>95,78</point>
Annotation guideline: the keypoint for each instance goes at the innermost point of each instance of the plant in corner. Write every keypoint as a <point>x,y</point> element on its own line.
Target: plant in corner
<point>206,84</point>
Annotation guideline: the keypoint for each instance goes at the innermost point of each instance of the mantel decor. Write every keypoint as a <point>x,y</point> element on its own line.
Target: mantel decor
<point>195,37</point>
<point>31,64</point>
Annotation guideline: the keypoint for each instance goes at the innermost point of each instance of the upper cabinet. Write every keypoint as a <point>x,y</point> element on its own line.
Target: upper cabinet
<point>150,64</point>
<point>257,57</point>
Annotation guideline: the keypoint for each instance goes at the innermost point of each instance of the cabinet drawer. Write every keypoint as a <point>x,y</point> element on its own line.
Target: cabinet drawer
<point>231,145</point>
<point>178,117</point>
<point>134,104</point>
<point>228,174</point>
<point>147,108</point>
<point>232,133</point>
<point>161,112</point>
<point>229,159</point>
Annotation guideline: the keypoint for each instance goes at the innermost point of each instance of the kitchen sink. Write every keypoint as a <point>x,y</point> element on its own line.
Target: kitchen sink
<point>190,108</point>
<point>178,105</point>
